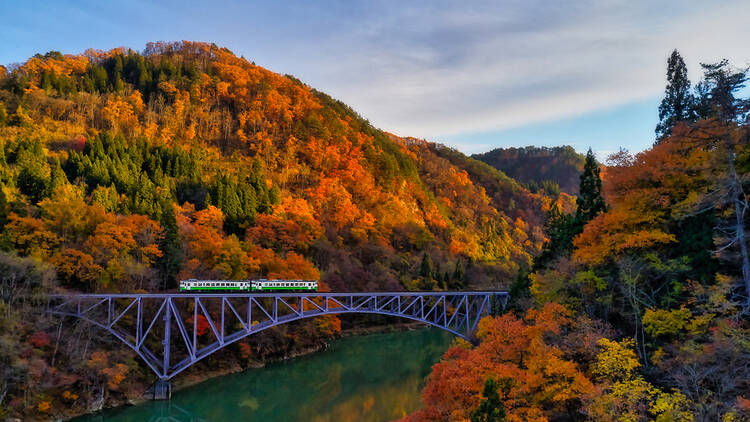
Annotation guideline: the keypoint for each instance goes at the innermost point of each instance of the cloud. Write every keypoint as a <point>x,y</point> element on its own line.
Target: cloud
<point>436,69</point>
<point>426,68</point>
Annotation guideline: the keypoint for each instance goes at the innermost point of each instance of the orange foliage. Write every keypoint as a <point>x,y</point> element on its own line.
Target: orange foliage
<point>537,379</point>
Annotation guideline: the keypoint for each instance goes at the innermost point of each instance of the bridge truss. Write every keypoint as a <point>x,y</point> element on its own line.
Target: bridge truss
<point>162,328</point>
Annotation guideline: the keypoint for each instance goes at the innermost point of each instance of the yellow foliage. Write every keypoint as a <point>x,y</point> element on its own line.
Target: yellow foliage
<point>658,322</point>
<point>616,361</point>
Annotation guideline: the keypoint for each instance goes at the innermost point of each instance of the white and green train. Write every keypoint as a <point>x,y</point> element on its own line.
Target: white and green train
<point>262,285</point>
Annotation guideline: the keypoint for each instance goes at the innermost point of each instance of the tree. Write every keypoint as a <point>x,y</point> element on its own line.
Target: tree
<point>458,273</point>
<point>33,180</point>
<point>590,202</point>
<point>678,102</point>
<point>727,141</point>
<point>491,409</point>
<point>58,177</point>
<point>170,262</point>
<point>561,228</point>
<point>425,269</point>
<point>3,115</point>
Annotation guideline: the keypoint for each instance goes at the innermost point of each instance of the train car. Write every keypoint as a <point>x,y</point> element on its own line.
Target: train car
<point>284,285</point>
<point>262,285</point>
<point>194,285</point>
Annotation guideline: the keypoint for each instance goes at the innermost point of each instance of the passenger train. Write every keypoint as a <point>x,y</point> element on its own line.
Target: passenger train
<point>261,285</point>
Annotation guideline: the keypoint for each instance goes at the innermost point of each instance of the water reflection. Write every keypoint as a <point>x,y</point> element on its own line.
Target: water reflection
<point>159,411</point>
<point>368,378</point>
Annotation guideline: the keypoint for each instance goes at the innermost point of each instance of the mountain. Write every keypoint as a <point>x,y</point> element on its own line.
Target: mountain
<point>127,171</point>
<point>536,166</point>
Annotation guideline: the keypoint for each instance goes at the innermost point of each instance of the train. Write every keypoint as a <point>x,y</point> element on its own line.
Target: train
<point>261,285</point>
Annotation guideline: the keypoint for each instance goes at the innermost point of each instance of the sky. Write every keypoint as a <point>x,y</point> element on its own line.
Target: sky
<point>474,75</point>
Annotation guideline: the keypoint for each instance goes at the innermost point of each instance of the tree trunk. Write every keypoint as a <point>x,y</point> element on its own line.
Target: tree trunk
<point>740,205</point>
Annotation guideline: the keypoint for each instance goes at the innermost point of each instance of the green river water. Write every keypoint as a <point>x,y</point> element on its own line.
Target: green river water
<point>375,377</point>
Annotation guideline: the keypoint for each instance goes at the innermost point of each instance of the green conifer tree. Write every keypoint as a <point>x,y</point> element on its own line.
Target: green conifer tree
<point>678,102</point>
<point>170,262</point>
<point>425,269</point>
<point>590,201</point>
<point>491,409</point>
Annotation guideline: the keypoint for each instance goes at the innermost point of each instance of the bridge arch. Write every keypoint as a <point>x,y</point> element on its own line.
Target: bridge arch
<point>161,328</point>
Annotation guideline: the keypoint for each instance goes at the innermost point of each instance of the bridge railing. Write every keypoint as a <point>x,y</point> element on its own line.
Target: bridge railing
<point>171,332</point>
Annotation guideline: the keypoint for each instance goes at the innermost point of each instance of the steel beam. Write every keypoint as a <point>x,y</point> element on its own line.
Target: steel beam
<point>456,312</point>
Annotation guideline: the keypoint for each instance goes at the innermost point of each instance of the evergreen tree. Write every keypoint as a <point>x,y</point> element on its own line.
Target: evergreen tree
<point>171,260</point>
<point>590,202</point>
<point>678,102</point>
<point>34,175</point>
<point>728,194</point>
<point>425,269</point>
<point>4,208</point>
<point>491,409</point>
<point>458,274</point>
<point>561,229</point>
<point>58,177</point>
<point>720,86</point>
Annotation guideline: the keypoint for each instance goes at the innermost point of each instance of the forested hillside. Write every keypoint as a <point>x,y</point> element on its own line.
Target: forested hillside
<point>124,171</point>
<point>538,167</point>
<point>637,308</point>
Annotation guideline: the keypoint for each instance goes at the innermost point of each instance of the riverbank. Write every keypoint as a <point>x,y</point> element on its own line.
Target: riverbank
<point>188,380</point>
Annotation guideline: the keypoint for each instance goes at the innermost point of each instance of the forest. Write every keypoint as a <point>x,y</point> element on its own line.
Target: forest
<point>637,307</point>
<point>125,171</point>
<point>552,169</point>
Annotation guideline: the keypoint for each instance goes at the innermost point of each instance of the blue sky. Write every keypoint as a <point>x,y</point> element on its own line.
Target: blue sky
<point>474,75</point>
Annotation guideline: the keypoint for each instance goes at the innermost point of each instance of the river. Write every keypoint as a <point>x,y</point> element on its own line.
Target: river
<point>376,377</point>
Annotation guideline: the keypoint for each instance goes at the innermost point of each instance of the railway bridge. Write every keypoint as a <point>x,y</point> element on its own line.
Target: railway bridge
<point>172,331</point>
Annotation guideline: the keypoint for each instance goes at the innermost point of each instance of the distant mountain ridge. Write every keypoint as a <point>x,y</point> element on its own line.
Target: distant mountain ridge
<point>535,165</point>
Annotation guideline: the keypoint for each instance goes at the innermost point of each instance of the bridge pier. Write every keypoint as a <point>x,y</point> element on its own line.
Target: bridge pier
<point>160,390</point>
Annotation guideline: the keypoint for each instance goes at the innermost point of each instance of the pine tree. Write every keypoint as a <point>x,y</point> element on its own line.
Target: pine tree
<point>491,409</point>
<point>590,202</point>
<point>678,103</point>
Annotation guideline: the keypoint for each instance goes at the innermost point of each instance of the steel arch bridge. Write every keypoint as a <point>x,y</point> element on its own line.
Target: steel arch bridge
<point>162,328</point>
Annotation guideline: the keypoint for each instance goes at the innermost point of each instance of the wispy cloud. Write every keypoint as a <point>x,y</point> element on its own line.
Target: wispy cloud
<point>446,68</point>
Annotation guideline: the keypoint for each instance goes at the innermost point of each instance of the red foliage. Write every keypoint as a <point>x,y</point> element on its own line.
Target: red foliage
<point>202,326</point>
<point>40,339</point>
